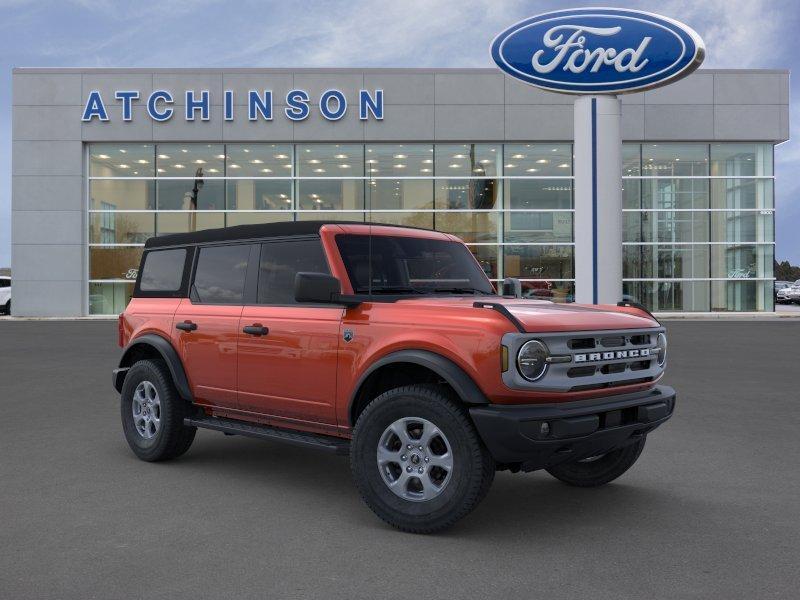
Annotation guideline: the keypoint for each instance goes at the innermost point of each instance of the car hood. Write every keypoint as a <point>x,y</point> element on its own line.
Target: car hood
<point>543,316</point>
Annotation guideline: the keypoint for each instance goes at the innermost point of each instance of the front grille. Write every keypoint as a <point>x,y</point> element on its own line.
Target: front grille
<point>596,360</point>
<point>613,342</point>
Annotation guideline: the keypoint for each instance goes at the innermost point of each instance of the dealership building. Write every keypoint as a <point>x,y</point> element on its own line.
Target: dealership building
<point>103,159</point>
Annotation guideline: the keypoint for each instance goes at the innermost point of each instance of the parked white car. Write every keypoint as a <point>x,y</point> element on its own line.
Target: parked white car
<point>790,294</point>
<point>5,295</point>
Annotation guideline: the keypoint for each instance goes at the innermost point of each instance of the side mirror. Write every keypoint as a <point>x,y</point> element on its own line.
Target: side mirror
<point>512,287</point>
<point>320,288</point>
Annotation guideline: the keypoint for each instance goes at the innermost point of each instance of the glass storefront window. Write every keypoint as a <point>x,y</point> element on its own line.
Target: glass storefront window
<point>122,194</point>
<point>742,193</point>
<point>404,219</point>
<point>667,261</point>
<point>674,193</point>
<point>537,160</point>
<point>675,160</point>
<point>115,227</point>
<point>114,263</point>
<point>743,226</point>
<point>187,221</point>
<point>250,218</point>
<point>671,226</point>
<point>538,227</point>
<point>330,160</point>
<point>331,215</point>
<point>741,160</point>
<point>383,194</point>
<point>472,227</point>
<point>554,291</point>
<point>259,194</point>
<point>121,160</point>
<point>742,261</point>
<point>742,296</point>
<point>631,160</point>
<point>538,262</point>
<point>330,194</point>
<point>399,160</point>
<point>467,160</point>
<point>510,197</point>
<point>669,296</point>
<point>109,298</point>
<point>631,193</point>
<point>259,160</point>
<point>479,194</point>
<point>191,194</point>
<point>538,194</point>
<point>193,160</point>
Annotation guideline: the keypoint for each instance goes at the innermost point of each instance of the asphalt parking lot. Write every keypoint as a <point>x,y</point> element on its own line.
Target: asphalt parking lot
<point>711,510</point>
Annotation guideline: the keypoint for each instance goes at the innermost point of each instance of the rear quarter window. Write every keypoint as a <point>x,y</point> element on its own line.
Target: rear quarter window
<point>220,274</point>
<point>163,270</point>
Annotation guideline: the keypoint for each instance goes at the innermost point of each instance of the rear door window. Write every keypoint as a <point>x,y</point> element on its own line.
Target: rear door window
<point>220,274</point>
<point>280,262</point>
<point>163,270</point>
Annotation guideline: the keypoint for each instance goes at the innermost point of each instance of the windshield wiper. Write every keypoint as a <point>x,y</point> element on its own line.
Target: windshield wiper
<point>393,289</point>
<point>462,290</point>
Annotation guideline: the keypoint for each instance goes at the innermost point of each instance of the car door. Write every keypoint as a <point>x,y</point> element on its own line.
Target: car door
<point>206,325</point>
<point>288,351</point>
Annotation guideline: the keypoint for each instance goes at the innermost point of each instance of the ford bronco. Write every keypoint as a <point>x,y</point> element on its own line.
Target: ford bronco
<point>391,345</point>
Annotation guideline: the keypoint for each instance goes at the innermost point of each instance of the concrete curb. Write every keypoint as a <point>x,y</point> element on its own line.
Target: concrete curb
<point>98,318</point>
<point>749,316</point>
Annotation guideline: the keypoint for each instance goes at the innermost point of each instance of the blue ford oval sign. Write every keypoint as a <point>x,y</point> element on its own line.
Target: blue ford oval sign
<point>598,50</point>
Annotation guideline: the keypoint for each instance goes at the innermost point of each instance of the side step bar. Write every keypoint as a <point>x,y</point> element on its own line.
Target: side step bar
<point>234,427</point>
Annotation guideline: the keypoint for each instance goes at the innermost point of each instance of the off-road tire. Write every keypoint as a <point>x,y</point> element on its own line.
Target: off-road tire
<point>173,438</point>
<point>473,466</point>
<point>600,471</point>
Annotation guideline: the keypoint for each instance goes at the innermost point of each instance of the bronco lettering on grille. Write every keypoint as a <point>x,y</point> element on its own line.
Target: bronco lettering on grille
<point>619,354</point>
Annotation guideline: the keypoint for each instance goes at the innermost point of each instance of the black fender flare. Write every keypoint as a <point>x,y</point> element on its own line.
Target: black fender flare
<point>463,385</point>
<point>167,352</point>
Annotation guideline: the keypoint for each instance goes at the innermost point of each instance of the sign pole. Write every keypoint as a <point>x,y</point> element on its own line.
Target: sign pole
<point>598,200</point>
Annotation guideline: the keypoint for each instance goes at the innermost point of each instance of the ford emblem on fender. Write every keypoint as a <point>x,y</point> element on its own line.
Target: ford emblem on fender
<point>598,50</point>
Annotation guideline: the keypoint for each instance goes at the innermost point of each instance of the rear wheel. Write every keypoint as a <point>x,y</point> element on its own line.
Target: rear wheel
<point>152,413</point>
<point>7,308</point>
<point>417,460</point>
<point>598,470</point>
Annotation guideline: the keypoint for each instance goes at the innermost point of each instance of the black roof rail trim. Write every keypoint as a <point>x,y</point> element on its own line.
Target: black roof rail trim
<point>503,311</point>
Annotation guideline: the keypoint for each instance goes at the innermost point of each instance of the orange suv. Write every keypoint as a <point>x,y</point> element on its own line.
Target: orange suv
<point>391,345</point>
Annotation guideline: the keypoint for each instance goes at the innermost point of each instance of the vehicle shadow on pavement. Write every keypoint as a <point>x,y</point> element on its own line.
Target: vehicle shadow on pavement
<point>518,504</point>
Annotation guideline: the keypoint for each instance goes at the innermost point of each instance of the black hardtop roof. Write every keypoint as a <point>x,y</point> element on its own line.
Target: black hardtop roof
<point>250,232</point>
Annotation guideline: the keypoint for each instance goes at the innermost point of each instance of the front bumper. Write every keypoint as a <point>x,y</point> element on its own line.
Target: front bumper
<point>539,436</point>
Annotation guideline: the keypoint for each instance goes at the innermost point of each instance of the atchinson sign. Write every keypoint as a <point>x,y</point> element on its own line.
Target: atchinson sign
<point>160,105</point>
<point>598,50</point>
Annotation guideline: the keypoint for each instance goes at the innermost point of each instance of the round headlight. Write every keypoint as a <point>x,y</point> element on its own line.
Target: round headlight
<point>661,344</point>
<point>531,360</point>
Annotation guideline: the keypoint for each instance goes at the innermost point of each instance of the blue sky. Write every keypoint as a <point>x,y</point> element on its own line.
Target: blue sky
<point>409,33</point>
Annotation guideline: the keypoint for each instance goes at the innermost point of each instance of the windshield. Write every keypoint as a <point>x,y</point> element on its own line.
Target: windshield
<point>407,265</point>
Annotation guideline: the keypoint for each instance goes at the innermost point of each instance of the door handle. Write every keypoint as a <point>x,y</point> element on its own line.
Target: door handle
<point>256,329</point>
<point>186,326</point>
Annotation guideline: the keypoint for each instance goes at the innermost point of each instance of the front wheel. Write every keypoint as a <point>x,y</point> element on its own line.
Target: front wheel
<point>598,470</point>
<point>417,460</point>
